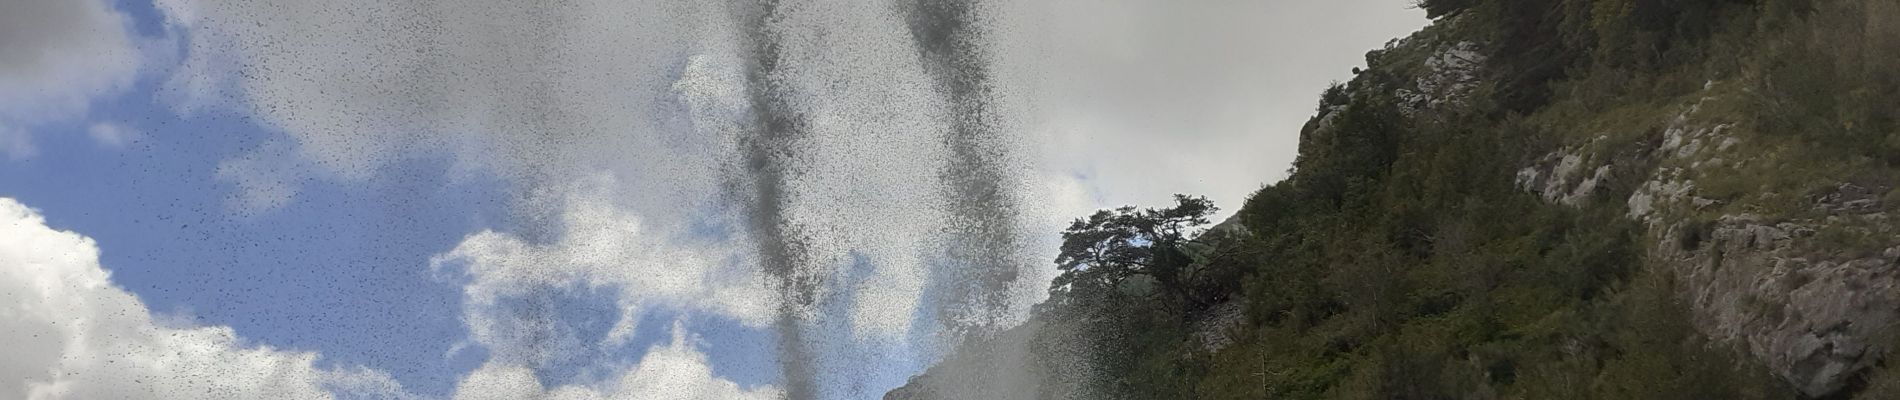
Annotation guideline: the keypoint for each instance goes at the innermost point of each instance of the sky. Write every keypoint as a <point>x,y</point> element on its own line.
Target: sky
<point>486,198</point>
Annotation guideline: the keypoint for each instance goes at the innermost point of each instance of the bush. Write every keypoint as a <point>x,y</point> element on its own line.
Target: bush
<point>1440,8</point>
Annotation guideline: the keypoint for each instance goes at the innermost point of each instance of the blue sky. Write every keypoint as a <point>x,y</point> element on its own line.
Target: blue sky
<point>429,209</point>
<point>342,269</point>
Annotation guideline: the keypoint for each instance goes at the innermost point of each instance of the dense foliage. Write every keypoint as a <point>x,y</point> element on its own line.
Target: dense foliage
<point>1400,261</point>
<point>1102,252</point>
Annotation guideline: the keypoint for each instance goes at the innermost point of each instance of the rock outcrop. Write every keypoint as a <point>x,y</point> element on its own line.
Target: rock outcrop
<point>1810,293</point>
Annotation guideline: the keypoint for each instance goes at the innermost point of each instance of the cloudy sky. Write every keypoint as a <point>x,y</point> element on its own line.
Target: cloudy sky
<point>597,198</point>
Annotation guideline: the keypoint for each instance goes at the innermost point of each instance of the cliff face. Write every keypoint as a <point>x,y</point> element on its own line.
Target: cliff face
<point>1750,147</point>
<point>1805,282</point>
<point>1780,246</point>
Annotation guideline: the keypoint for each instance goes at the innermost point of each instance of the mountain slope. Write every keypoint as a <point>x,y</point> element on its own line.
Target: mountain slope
<point>1536,199</point>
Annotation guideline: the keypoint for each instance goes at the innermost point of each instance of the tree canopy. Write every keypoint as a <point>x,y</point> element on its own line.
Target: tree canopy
<point>1107,248</point>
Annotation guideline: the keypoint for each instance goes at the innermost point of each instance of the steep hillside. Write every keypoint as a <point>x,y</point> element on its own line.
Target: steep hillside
<point>1538,199</point>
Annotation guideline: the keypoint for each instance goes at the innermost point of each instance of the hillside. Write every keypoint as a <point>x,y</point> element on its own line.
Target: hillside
<point>1530,199</point>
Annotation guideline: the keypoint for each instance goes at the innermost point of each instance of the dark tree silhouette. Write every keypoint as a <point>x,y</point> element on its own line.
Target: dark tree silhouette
<point>1102,251</point>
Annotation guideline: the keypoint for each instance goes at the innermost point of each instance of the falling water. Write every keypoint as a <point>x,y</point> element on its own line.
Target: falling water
<point>775,128</point>
<point>824,196</point>
<point>981,204</point>
<point>862,160</point>
<point>980,249</point>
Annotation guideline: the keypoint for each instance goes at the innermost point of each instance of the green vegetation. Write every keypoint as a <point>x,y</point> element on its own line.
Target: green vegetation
<point>1104,253</point>
<point>1400,261</point>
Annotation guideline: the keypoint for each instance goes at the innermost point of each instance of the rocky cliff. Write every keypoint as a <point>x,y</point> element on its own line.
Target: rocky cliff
<point>1751,148</point>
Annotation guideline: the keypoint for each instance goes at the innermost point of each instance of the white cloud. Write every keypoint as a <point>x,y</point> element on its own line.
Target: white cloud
<point>515,87</point>
<point>599,245</point>
<point>55,55</point>
<point>112,134</point>
<point>72,334</point>
<point>532,91</point>
<point>1146,98</point>
<point>267,177</point>
<point>671,371</point>
<point>1149,98</point>
<point>55,58</point>
<point>545,93</point>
